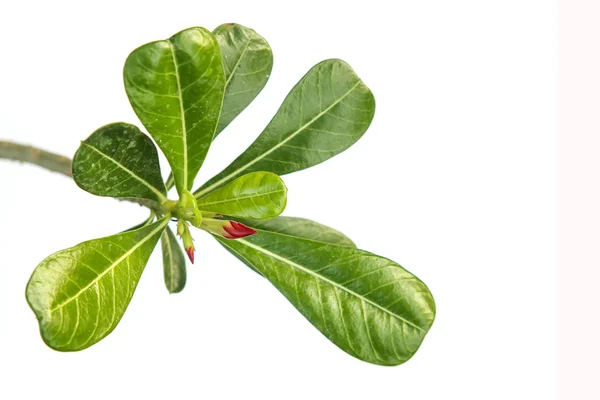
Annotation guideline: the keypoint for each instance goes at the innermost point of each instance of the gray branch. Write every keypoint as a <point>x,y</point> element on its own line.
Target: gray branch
<point>32,155</point>
<point>50,161</point>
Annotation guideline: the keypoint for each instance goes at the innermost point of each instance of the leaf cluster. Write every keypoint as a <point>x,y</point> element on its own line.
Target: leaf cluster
<point>185,91</point>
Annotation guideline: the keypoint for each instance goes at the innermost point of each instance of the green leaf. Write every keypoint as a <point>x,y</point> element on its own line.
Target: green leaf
<point>301,227</point>
<point>248,61</point>
<point>173,262</point>
<point>170,182</point>
<point>369,306</point>
<point>118,160</point>
<point>324,114</point>
<point>80,294</point>
<point>257,195</point>
<point>176,88</point>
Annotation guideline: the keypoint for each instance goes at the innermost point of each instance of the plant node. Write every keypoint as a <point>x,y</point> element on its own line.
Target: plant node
<point>185,209</point>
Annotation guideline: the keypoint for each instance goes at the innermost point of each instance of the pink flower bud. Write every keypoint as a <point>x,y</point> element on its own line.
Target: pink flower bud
<point>190,253</point>
<point>236,230</point>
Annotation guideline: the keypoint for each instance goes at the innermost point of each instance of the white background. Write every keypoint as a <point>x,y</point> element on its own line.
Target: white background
<point>455,180</point>
<point>579,200</point>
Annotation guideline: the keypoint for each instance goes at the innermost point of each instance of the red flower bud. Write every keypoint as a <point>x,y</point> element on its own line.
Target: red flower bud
<point>190,253</point>
<point>235,230</point>
<point>226,229</point>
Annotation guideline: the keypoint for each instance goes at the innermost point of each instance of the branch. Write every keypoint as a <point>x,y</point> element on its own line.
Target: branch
<point>50,161</point>
<point>32,155</point>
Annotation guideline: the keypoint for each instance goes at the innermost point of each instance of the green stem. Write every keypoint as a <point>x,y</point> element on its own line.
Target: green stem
<point>50,161</point>
<point>32,155</point>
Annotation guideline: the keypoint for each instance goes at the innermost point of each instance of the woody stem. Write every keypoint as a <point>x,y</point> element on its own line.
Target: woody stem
<point>45,159</point>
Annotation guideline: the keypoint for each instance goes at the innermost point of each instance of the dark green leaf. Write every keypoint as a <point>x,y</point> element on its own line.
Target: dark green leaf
<point>80,294</point>
<point>257,195</point>
<point>301,227</point>
<point>324,114</point>
<point>173,262</point>
<point>248,61</point>
<point>118,160</point>
<point>176,88</point>
<point>367,305</point>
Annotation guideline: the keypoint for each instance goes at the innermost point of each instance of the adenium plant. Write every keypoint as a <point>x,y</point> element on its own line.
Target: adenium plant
<point>185,91</point>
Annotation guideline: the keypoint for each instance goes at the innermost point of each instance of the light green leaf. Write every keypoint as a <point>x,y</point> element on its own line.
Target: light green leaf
<point>80,294</point>
<point>324,114</point>
<point>173,262</point>
<point>170,182</point>
<point>176,88</point>
<point>118,160</point>
<point>257,195</point>
<point>248,61</point>
<point>301,227</point>
<point>367,305</point>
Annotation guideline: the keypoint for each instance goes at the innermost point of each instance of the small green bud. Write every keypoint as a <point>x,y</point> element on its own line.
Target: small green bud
<point>181,228</point>
<point>188,243</point>
<point>197,220</point>
<point>187,200</point>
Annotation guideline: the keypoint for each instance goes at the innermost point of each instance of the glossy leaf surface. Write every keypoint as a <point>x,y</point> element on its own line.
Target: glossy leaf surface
<point>174,268</point>
<point>248,61</point>
<point>118,160</point>
<point>80,294</point>
<point>176,88</point>
<point>302,227</point>
<point>324,114</point>
<point>299,227</point>
<point>257,195</point>
<point>367,305</point>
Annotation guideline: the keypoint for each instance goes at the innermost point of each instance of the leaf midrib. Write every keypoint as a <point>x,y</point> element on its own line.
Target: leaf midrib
<point>233,200</point>
<point>334,284</point>
<point>182,111</point>
<point>130,172</point>
<point>237,64</point>
<point>278,145</point>
<point>112,266</point>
